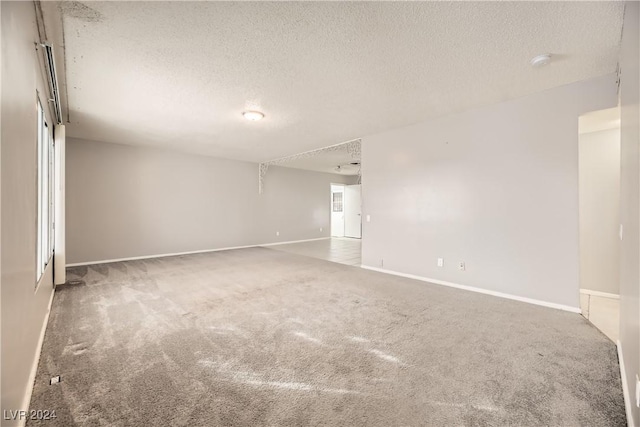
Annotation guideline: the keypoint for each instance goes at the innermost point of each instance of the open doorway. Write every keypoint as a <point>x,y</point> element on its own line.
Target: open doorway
<point>346,211</point>
<point>599,218</point>
<point>337,210</point>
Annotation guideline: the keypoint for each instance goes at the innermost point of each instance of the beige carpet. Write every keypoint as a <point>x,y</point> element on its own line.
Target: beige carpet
<point>258,337</point>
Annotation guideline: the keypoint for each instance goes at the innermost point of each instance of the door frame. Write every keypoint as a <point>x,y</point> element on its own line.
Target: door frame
<point>331,185</point>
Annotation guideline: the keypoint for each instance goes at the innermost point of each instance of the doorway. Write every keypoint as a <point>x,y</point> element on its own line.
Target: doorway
<point>599,218</point>
<point>346,210</point>
<point>337,210</point>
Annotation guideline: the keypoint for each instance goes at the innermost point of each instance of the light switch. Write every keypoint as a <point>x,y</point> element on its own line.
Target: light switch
<point>368,218</point>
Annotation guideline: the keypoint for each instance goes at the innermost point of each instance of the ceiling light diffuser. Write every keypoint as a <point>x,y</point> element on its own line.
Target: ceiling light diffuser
<point>253,115</point>
<point>540,60</point>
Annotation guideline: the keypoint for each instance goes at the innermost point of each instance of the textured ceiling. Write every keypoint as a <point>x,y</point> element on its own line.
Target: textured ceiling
<point>179,74</point>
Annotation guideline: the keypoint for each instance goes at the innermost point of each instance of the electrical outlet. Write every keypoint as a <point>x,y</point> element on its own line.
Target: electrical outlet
<point>368,218</point>
<point>461,266</point>
<point>277,233</point>
<point>54,380</point>
<point>321,229</point>
<point>637,391</point>
<point>440,262</point>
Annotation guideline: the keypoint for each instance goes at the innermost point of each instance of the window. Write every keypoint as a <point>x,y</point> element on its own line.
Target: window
<point>337,202</point>
<point>45,195</point>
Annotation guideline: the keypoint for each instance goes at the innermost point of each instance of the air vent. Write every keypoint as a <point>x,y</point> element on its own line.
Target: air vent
<point>53,81</point>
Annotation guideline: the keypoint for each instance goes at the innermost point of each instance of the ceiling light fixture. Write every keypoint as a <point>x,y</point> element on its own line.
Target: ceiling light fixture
<point>253,115</point>
<point>540,60</point>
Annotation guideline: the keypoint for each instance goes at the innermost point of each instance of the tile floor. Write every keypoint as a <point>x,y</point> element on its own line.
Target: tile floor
<point>603,312</point>
<point>343,250</point>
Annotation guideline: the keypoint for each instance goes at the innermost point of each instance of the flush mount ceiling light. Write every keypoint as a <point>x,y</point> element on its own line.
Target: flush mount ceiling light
<point>253,115</point>
<point>540,60</point>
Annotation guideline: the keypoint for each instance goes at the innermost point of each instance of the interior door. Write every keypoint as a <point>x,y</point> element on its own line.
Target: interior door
<point>353,211</point>
<point>337,211</point>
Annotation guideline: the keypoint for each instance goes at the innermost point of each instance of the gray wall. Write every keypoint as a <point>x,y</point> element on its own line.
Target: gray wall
<point>24,307</point>
<point>599,182</point>
<point>629,203</point>
<point>495,187</point>
<point>125,201</point>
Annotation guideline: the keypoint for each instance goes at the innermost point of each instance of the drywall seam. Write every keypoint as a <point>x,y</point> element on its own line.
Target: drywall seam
<point>625,387</point>
<point>201,251</point>
<point>478,290</point>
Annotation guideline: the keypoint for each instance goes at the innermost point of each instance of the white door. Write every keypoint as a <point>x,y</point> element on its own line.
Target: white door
<point>353,211</point>
<point>337,210</point>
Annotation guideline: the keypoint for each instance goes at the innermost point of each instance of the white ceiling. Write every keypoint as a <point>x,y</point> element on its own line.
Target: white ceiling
<point>179,74</point>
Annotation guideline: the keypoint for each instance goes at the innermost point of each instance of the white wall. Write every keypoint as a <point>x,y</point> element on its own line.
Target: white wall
<point>24,307</point>
<point>125,201</point>
<point>599,183</point>
<point>495,187</point>
<point>629,205</point>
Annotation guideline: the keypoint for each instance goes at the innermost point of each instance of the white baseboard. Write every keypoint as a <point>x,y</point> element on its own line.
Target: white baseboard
<point>599,294</point>
<point>106,261</point>
<point>479,290</point>
<point>625,386</point>
<point>34,367</point>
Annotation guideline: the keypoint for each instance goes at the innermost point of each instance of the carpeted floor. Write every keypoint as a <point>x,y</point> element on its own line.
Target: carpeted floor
<point>259,337</point>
